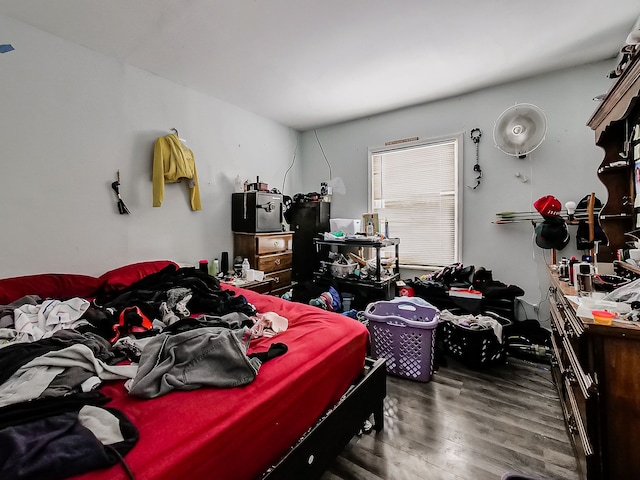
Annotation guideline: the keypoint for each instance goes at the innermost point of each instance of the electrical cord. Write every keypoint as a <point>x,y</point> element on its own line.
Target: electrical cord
<point>323,154</point>
<point>293,160</point>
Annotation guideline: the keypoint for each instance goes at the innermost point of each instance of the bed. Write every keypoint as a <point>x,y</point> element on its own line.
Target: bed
<point>290,422</point>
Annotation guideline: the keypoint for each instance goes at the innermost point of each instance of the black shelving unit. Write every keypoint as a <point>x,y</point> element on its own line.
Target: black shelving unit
<point>380,287</point>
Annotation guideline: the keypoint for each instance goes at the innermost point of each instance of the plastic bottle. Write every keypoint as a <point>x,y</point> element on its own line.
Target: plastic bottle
<point>572,262</point>
<point>245,267</point>
<point>369,228</point>
<point>204,266</point>
<point>215,267</point>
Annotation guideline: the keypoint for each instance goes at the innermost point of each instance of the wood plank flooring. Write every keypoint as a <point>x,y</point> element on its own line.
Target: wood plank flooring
<point>465,425</point>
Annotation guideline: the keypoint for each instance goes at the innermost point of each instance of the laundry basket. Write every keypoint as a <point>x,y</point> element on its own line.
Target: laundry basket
<point>403,333</point>
<point>476,348</point>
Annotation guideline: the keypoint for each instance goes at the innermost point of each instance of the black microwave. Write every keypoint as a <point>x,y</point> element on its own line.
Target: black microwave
<point>256,212</point>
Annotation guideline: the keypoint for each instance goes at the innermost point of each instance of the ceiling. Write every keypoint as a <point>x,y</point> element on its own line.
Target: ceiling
<point>310,63</point>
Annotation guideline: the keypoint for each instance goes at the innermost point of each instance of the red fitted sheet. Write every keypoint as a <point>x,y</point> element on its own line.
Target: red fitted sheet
<point>238,433</point>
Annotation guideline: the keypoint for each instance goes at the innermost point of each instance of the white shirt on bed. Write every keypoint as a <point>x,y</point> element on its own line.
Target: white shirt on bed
<point>34,322</point>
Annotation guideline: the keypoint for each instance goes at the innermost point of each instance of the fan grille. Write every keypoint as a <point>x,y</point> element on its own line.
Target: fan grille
<point>520,129</point>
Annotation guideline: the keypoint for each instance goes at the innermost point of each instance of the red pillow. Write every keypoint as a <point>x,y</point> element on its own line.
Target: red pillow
<point>48,285</point>
<point>122,277</point>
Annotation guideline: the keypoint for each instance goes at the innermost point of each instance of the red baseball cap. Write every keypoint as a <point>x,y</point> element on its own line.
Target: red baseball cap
<point>548,206</point>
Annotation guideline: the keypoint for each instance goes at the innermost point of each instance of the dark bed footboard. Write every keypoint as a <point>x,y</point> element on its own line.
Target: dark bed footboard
<point>315,451</point>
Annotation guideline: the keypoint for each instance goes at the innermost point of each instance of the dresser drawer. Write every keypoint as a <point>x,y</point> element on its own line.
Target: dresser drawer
<point>273,243</point>
<point>576,421</point>
<point>575,372</point>
<point>564,314</point>
<point>274,262</point>
<point>280,279</point>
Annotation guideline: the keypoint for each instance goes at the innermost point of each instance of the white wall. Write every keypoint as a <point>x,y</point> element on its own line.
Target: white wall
<point>70,118</point>
<point>564,165</point>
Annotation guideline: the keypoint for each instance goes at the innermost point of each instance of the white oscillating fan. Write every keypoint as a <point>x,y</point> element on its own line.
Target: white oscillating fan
<point>520,129</point>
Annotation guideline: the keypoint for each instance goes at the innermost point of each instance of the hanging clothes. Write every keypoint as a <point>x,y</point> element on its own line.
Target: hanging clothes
<point>172,162</point>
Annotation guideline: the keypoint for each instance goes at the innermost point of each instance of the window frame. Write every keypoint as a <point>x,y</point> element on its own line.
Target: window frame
<point>458,186</point>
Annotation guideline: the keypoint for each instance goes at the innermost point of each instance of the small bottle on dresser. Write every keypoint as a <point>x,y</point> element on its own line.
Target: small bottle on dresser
<point>215,268</point>
<point>245,267</point>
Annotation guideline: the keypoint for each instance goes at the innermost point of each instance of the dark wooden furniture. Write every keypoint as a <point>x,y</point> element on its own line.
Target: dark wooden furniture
<point>259,286</point>
<point>270,253</point>
<point>616,123</point>
<point>596,369</point>
<point>308,219</point>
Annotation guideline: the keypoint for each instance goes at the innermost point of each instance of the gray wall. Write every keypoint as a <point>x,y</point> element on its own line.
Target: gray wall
<point>71,118</point>
<point>564,165</point>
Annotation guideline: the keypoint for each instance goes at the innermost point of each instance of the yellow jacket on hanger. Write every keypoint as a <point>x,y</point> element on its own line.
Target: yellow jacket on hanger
<point>172,162</point>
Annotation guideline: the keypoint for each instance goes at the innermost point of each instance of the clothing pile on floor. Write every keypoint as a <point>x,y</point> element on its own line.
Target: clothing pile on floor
<point>494,295</point>
<point>474,322</point>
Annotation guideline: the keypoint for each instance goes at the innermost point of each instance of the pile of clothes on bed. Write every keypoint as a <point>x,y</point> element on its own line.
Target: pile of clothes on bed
<point>55,353</point>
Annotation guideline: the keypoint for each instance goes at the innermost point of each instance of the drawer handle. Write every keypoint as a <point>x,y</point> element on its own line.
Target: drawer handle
<point>277,262</point>
<point>278,243</point>
<point>569,329</point>
<point>571,375</point>
<point>571,423</point>
<point>276,279</point>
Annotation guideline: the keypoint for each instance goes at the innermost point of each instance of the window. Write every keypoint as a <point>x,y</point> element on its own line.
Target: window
<point>417,190</point>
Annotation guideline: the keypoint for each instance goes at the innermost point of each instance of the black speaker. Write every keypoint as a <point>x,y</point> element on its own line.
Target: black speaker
<point>224,263</point>
<point>308,219</point>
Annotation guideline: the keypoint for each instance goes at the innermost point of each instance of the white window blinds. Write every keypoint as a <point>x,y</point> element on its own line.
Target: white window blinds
<point>416,190</point>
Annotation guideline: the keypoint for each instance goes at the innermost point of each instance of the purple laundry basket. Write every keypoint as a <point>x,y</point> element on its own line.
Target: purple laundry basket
<point>403,333</point>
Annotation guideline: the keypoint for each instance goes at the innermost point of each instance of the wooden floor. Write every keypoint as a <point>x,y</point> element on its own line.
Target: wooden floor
<point>465,425</point>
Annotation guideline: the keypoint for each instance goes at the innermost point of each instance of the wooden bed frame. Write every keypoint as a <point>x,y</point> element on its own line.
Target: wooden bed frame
<point>315,451</point>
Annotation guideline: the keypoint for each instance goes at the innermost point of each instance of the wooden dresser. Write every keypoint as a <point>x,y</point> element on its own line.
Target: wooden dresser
<point>596,369</point>
<point>270,253</point>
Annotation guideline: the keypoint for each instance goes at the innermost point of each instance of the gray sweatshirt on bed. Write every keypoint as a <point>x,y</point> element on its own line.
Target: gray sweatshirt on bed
<point>209,356</point>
